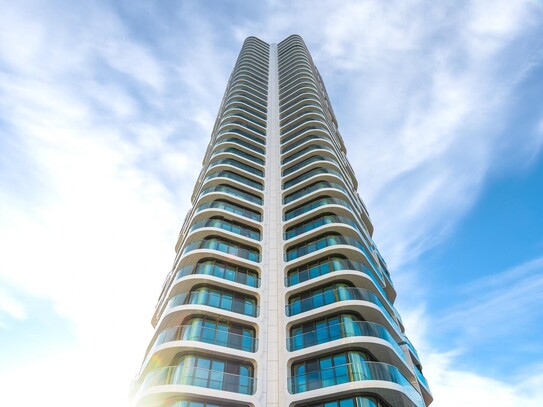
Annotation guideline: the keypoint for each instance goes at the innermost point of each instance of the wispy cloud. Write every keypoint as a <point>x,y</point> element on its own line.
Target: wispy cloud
<point>497,317</point>
<point>513,295</point>
<point>422,92</point>
<point>455,381</point>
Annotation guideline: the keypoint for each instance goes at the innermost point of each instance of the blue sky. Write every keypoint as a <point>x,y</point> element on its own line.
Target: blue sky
<point>106,109</point>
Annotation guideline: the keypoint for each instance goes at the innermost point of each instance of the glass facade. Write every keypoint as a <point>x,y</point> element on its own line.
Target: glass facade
<point>356,401</point>
<point>230,207</point>
<point>305,162</point>
<point>314,223</point>
<point>238,193</point>
<point>236,177</point>
<point>310,174</point>
<point>237,151</point>
<point>320,242</point>
<point>313,204</point>
<point>221,298</point>
<point>243,143</point>
<point>228,225</point>
<point>221,269</point>
<point>205,371</point>
<point>226,246</point>
<point>195,403</point>
<point>305,151</point>
<point>312,188</point>
<point>238,164</point>
<point>329,370</point>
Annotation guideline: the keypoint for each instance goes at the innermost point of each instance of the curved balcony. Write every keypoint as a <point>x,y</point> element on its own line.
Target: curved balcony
<point>240,153</point>
<point>332,218</point>
<point>312,188</point>
<point>294,54</point>
<point>293,213</point>
<point>242,121</point>
<point>236,177</point>
<point>310,105</point>
<point>245,106</point>
<point>245,69</point>
<point>241,143</point>
<point>242,76</point>
<point>254,76</point>
<point>306,90</point>
<point>255,54</point>
<point>287,108</point>
<point>227,189</point>
<point>307,161</point>
<point>354,372</point>
<point>321,267</point>
<point>201,333</point>
<point>339,331</point>
<point>220,269</point>
<point>320,242</point>
<point>251,77</point>
<point>241,133</point>
<point>307,133</point>
<point>243,87</point>
<point>252,60</point>
<point>303,130</point>
<point>245,97</point>
<point>333,294</point>
<point>301,125</point>
<point>303,83</point>
<point>196,376</point>
<point>321,220</point>
<point>359,400</point>
<point>305,151</point>
<point>304,117</point>
<point>245,83</point>
<point>225,300</point>
<point>291,66</point>
<point>302,141</point>
<point>225,246</point>
<point>309,174</point>
<point>229,226</point>
<point>422,379</point>
<point>302,73</point>
<point>249,116</point>
<point>411,348</point>
<point>201,403</point>
<point>255,51</point>
<point>246,63</point>
<point>230,207</point>
<point>295,119</point>
<point>291,50</point>
<point>237,164</point>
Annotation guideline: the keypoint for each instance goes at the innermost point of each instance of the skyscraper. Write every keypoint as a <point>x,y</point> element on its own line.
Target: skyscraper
<point>278,295</point>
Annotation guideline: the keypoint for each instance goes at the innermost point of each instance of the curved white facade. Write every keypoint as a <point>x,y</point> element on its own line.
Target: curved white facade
<point>278,295</point>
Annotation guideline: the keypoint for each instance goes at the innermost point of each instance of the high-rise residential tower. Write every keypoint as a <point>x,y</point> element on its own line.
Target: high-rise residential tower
<point>278,296</point>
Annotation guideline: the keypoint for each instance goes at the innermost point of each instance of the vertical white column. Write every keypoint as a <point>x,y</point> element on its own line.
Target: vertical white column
<point>273,323</point>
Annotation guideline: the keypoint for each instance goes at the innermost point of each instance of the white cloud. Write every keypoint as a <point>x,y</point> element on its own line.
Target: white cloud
<point>453,387</point>
<point>453,384</point>
<point>11,307</point>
